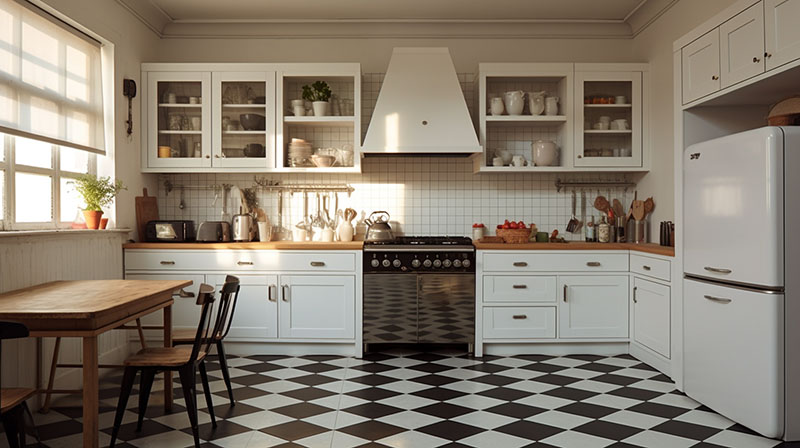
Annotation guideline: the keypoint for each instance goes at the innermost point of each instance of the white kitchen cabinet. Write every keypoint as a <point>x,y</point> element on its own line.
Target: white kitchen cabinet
<point>177,120</point>
<point>235,94</point>
<point>317,306</point>
<point>742,46</point>
<point>593,306</point>
<point>782,32</point>
<point>620,147</point>
<point>256,312</point>
<point>701,67</point>
<point>651,315</point>
<point>185,312</point>
<point>519,322</point>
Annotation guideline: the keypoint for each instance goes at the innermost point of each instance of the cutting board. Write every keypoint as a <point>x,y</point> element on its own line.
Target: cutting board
<point>146,210</point>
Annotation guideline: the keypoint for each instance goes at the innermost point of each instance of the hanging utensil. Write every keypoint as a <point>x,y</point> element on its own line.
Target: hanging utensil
<point>630,211</point>
<point>182,205</point>
<point>583,206</point>
<point>572,225</point>
<point>649,205</point>
<point>601,203</point>
<point>617,206</point>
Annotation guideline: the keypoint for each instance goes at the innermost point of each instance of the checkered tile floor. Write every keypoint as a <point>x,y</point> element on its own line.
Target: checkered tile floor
<point>424,399</point>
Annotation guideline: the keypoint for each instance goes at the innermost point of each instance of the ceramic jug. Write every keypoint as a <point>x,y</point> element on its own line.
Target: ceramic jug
<point>551,105</point>
<point>536,102</point>
<point>545,153</point>
<point>515,102</point>
<point>497,107</point>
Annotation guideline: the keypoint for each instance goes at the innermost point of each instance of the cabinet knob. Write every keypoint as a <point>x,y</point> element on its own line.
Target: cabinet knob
<point>714,77</point>
<point>208,156</point>
<point>767,55</point>
<point>756,60</point>
<point>646,268</point>
<point>580,156</point>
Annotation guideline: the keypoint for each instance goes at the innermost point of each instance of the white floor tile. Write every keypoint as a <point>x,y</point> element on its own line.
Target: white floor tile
<point>572,439</point>
<point>594,386</point>
<point>735,439</point>
<point>261,419</point>
<point>470,387</point>
<point>326,420</point>
<point>271,401</point>
<point>403,374</point>
<point>344,440</point>
<point>655,386</point>
<point>564,362</point>
<point>611,401</point>
<point>705,418</point>
<point>655,439</point>
<point>407,401</point>
<point>483,419</point>
<point>680,401</point>
<point>323,440</point>
<point>478,402</point>
<point>544,401</point>
<point>172,439</point>
<point>409,419</point>
<point>492,439</point>
<point>559,419</point>
<point>532,386</point>
<point>404,387</point>
<point>635,419</point>
<point>345,419</point>
<point>413,439</point>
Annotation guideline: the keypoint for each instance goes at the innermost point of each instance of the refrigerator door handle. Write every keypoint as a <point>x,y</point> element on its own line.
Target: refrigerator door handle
<point>721,300</point>
<point>717,270</point>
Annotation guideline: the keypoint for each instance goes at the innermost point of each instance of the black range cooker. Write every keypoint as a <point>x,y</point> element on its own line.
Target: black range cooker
<point>419,290</point>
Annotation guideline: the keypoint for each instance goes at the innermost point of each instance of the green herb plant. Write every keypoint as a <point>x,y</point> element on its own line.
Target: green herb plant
<point>318,91</point>
<point>97,191</point>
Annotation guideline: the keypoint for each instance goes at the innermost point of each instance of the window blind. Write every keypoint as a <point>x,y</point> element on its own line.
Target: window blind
<point>50,80</point>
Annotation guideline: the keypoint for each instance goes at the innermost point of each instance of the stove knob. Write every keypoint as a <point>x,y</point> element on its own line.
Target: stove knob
<point>396,263</point>
<point>426,263</point>
<point>466,263</point>
<point>374,263</point>
<point>446,263</point>
<point>415,263</point>
<point>437,263</point>
<point>456,263</point>
<point>386,263</point>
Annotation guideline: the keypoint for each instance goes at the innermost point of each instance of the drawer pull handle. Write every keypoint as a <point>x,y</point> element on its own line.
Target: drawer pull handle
<point>714,77</point>
<point>717,270</point>
<point>244,263</point>
<point>646,268</point>
<point>167,262</point>
<point>721,300</point>
<point>270,297</point>
<point>520,264</point>
<point>317,264</point>
<point>593,264</point>
<point>756,60</point>
<point>520,316</point>
<point>565,293</point>
<point>635,288</point>
<point>520,286</point>
<point>183,293</point>
<point>285,289</point>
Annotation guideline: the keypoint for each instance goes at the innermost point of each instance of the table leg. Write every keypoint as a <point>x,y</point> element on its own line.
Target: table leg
<point>168,373</point>
<point>91,393</point>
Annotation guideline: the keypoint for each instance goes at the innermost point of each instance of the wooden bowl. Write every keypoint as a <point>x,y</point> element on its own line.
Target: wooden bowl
<point>514,236</point>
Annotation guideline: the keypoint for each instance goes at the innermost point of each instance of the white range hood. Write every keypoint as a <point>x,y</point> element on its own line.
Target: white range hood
<point>421,109</point>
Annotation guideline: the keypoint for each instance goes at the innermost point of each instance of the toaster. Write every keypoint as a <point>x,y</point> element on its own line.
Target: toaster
<point>214,232</point>
<point>169,231</point>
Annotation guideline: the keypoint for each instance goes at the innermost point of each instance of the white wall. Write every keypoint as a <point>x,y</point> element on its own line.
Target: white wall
<point>134,43</point>
<point>654,45</point>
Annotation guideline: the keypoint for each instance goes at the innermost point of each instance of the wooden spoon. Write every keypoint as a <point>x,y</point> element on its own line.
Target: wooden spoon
<point>617,205</point>
<point>601,203</point>
<point>649,205</point>
<point>638,210</point>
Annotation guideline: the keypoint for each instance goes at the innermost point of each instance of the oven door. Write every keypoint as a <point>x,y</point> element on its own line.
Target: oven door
<point>390,308</point>
<point>447,308</point>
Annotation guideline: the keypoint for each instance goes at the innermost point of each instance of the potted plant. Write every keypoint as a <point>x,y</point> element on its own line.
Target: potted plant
<point>318,93</point>
<point>96,192</point>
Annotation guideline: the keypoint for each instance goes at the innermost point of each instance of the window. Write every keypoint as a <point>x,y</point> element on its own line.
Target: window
<point>35,183</point>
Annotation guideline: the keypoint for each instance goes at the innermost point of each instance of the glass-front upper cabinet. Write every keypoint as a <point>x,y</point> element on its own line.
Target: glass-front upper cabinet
<point>608,119</point>
<point>243,114</point>
<point>178,115</point>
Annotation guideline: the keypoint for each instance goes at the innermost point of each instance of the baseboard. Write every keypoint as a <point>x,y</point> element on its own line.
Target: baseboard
<point>557,349</point>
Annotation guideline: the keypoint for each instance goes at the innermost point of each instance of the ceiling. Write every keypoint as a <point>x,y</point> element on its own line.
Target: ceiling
<point>405,18</point>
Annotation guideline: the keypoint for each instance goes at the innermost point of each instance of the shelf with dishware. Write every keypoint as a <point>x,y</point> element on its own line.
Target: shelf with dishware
<point>607,131</point>
<point>526,120</point>
<point>337,121</point>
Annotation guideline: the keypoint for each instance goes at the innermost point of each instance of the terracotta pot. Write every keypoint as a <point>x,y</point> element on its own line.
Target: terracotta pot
<point>103,223</point>
<point>92,218</point>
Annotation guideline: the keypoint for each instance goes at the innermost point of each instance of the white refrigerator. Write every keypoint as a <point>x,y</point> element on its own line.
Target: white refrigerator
<point>741,265</point>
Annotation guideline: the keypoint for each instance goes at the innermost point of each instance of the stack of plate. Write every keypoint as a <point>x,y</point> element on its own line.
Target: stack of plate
<point>300,153</point>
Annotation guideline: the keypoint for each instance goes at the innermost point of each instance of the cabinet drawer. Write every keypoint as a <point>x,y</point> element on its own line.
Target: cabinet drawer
<point>519,322</point>
<point>239,260</point>
<point>653,267</point>
<point>561,262</point>
<point>316,261</point>
<point>519,288</point>
<point>172,260</point>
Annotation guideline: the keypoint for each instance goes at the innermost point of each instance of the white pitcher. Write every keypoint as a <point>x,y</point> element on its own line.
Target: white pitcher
<point>536,102</point>
<point>551,105</point>
<point>497,107</point>
<point>515,102</point>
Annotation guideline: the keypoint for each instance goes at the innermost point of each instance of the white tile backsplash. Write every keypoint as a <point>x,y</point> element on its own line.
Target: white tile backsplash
<point>424,195</point>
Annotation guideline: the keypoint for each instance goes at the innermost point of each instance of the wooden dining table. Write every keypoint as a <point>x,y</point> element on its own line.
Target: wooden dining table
<point>86,309</point>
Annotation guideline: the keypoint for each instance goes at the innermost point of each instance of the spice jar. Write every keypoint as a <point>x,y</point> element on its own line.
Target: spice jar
<point>590,235</point>
<point>478,232</point>
<point>603,231</point>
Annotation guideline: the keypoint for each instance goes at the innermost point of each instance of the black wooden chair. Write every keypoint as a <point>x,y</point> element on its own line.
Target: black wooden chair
<point>186,360</point>
<point>225,311</point>
<point>13,409</point>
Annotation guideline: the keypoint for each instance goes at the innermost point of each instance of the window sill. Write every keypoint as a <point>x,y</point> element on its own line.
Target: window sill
<point>65,232</point>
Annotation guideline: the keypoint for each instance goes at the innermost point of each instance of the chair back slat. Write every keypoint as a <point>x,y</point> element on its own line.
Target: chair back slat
<point>228,297</point>
<point>205,298</point>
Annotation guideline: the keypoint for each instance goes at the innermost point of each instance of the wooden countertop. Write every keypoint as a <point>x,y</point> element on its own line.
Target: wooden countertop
<point>256,245</point>
<point>580,245</point>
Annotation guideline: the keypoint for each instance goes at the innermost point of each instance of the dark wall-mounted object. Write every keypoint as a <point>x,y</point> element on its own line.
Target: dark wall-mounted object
<point>129,90</point>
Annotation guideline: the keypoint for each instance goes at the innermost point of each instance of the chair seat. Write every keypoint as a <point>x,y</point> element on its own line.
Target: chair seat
<point>163,356</point>
<point>12,397</point>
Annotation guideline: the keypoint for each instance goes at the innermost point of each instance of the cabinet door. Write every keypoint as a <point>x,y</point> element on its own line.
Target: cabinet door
<point>593,306</point>
<point>185,312</point>
<point>700,67</point>
<point>317,306</point>
<point>178,117</point>
<point>256,313</point>
<point>241,138</point>
<point>783,34</point>
<point>618,142</point>
<point>651,315</point>
<point>742,46</point>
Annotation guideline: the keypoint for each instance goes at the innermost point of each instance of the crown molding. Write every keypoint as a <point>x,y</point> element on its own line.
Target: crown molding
<point>166,27</point>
